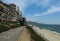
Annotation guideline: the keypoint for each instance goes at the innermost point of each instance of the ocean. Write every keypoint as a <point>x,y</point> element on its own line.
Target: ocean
<point>51,27</point>
<point>55,28</point>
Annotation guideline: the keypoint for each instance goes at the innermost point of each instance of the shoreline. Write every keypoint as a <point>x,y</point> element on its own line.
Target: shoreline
<point>47,34</point>
<point>54,32</point>
<point>51,30</point>
<point>46,29</point>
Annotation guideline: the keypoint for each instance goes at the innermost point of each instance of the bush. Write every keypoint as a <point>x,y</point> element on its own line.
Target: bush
<point>3,28</point>
<point>5,25</point>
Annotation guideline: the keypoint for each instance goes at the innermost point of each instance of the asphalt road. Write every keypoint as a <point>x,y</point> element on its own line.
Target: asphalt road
<point>11,35</point>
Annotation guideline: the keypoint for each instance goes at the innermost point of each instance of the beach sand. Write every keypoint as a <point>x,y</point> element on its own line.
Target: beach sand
<point>47,34</point>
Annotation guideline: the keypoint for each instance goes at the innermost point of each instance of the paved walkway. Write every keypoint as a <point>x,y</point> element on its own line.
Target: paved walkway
<point>25,35</point>
<point>11,35</point>
<point>29,35</point>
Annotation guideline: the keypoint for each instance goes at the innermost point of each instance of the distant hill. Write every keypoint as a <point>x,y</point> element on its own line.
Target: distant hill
<point>34,23</point>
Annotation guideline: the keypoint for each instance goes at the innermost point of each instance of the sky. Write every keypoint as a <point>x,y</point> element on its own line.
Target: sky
<point>40,11</point>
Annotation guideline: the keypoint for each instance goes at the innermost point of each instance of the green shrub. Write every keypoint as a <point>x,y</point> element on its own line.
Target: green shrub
<point>3,28</point>
<point>5,25</point>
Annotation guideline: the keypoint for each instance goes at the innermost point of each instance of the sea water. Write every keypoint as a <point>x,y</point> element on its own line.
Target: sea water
<point>55,28</point>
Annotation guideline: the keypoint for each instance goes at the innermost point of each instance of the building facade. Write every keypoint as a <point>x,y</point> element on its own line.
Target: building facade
<point>9,12</point>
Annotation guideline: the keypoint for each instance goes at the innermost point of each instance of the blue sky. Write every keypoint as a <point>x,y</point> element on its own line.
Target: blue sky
<point>41,11</point>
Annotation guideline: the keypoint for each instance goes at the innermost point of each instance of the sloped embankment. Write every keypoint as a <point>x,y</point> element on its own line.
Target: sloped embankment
<point>29,35</point>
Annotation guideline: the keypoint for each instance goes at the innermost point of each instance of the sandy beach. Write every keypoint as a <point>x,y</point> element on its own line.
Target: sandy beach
<point>47,34</point>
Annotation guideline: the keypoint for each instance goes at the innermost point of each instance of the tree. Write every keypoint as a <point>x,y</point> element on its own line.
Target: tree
<point>24,21</point>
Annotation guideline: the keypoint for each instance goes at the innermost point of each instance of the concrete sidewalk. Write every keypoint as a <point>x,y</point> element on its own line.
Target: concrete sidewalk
<point>11,35</point>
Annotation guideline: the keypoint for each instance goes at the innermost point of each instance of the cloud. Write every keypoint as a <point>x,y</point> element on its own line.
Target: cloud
<point>51,10</point>
<point>23,4</point>
<point>26,3</point>
<point>43,3</point>
<point>30,18</point>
